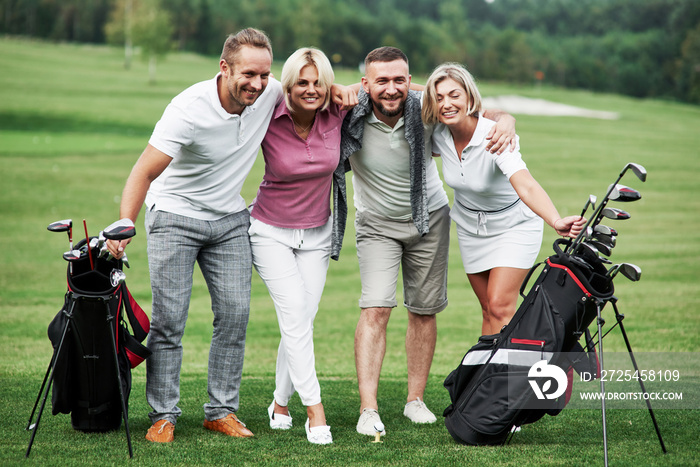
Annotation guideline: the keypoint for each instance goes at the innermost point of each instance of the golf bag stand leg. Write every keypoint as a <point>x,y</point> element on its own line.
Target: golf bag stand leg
<point>600,322</point>
<point>125,417</point>
<point>619,317</point>
<point>41,391</point>
<point>49,373</point>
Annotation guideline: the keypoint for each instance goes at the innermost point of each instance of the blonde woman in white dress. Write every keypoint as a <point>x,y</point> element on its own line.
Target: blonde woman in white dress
<point>499,207</point>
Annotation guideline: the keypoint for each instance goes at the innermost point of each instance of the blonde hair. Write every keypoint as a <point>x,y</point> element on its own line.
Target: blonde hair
<point>459,74</point>
<point>304,57</point>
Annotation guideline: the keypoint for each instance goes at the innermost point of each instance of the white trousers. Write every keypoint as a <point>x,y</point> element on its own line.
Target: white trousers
<point>293,264</point>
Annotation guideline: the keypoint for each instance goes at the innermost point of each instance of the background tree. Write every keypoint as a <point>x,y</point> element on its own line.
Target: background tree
<point>643,48</point>
<point>152,33</point>
<point>689,66</point>
<point>118,29</point>
<point>149,27</point>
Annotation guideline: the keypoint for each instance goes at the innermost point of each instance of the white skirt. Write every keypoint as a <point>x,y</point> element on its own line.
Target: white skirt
<point>511,238</point>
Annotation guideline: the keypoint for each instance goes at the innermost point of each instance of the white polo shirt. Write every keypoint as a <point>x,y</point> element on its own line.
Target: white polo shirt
<point>212,150</point>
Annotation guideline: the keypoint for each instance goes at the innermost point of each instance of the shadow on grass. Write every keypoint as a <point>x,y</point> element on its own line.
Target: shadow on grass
<point>35,122</point>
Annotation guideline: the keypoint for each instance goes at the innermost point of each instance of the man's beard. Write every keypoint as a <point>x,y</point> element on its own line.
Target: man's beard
<point>389,113</point>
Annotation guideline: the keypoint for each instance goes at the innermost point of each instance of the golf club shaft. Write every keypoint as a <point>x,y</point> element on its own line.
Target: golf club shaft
<point>87,240</point>
<point>597,212</point>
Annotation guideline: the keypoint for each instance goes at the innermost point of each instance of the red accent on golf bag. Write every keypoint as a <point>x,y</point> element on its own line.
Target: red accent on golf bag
<point>491,389</point>
<point>140,326</point>
<point>84,371</point>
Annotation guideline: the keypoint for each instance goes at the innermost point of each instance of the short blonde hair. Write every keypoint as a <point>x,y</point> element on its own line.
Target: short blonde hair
<point>458,73</point>
<point>304,57</point>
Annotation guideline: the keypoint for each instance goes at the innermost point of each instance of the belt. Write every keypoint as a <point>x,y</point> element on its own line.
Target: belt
<point>481,214</point>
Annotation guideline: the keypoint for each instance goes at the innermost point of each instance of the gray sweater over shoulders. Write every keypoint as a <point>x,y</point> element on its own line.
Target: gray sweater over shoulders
<point>351,142</point>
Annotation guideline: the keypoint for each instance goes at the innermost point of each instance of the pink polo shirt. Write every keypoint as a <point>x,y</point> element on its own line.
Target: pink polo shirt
<point>296,188</point>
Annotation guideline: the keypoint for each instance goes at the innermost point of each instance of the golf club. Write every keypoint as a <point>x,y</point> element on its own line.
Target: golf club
<point>590,254</point>
<point>629,270</point>
<point>605,230</point>
<point>72,255</point>
<point>607,239</point>
<point>120,230</point>
<point>641,174</point>
<point>65,225</point>
<point>580,262</point>
<point>638,170</point>
<point>601,247</point>
<point>624,194</point>
<point>104,251</point>
<point>591,202</point>
<point>613,213</point>
<point>100,241</point>
<point>587,252</point>
<point>116,277</point>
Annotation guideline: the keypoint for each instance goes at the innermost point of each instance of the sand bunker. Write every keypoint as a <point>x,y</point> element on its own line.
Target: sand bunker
<point>527,106</point>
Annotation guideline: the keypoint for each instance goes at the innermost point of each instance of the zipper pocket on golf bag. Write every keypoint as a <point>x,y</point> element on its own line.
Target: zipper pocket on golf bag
<point>535,342</point>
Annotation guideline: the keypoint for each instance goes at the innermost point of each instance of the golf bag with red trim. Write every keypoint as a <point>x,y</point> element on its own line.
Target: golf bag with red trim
<point>491,390</point>
<point>84,382</point>
<point>97,338</point>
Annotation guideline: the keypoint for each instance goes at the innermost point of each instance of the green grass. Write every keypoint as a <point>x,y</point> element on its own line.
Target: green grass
<point>73,122</point>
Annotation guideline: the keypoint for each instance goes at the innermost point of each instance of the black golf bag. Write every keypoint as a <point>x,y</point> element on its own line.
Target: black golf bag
<point>491,390</point>
<point>97,338</point>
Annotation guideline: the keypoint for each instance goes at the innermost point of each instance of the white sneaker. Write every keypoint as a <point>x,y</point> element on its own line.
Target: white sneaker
<point>277,420</point>
<point>318,434</point>
<point>418,412</point>
<point>369,423</point>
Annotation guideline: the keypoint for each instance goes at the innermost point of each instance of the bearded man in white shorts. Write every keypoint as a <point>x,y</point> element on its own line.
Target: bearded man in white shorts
<point>402,221</point>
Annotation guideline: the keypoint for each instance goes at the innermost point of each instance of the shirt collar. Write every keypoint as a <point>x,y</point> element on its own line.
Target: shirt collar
<point>483,126</point>
<point>282,110</point>
<point>373,120</point>
<point>214,98</point>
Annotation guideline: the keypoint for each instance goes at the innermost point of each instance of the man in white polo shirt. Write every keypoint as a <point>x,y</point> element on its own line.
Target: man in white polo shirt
<point>190,177</point>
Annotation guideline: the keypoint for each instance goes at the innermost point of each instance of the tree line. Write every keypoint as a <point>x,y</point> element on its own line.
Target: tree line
<point>641,48</point>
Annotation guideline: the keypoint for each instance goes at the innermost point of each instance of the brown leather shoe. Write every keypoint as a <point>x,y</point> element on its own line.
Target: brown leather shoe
<point>162,431</point>
<point>229,425</point>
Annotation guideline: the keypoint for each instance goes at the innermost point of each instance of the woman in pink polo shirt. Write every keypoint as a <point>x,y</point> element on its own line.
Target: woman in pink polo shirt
<point>291,224</point>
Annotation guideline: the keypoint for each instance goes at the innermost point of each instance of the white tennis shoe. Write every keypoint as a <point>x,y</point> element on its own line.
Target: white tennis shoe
<point>369,418</point>
<point>418,412</point>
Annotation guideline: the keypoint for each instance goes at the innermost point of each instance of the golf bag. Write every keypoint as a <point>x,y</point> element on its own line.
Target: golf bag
<point>491,390</point>
<point>96,337</point>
